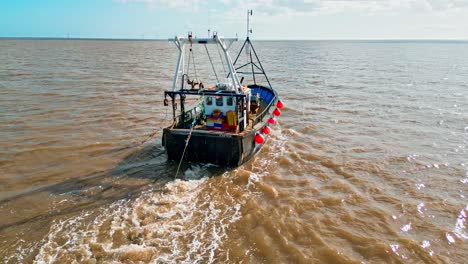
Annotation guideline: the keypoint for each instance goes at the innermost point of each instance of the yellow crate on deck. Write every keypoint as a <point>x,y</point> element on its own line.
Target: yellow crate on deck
<point>231,118</point>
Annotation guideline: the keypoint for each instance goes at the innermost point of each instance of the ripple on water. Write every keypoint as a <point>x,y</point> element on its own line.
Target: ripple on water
<point>367,164</point>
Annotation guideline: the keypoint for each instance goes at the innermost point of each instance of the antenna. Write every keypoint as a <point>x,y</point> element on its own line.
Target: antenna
<point>249,30</point>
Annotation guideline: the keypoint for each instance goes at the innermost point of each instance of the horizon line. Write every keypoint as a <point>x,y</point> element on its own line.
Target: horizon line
<point>260,39</point>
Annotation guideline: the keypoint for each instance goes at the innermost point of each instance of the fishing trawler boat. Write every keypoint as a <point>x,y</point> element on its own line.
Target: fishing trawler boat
<point>229,120</point>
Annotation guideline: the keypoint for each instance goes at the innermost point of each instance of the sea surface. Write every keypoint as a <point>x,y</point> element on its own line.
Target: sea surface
<point>368,164</point>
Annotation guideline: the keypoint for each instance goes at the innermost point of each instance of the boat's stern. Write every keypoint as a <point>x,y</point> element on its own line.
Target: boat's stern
<point>203,146</point>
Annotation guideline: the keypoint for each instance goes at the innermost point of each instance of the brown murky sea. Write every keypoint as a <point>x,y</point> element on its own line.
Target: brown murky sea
<point>369,163</point>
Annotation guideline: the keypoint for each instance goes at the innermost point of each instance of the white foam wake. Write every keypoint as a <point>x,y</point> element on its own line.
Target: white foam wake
<point>183,223</point>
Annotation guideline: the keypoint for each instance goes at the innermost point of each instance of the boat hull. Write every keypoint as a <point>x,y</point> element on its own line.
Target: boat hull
<point>227,149</point>
<point>218,147</point>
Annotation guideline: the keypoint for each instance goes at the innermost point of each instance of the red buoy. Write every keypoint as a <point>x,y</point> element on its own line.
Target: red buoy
<point>266,130</point>
<point>271,120</point>
<point>277,112</point>
<point>259,139</point>
<point>279,105</point>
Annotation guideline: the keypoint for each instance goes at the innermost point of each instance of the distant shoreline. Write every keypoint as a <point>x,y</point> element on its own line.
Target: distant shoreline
<point>101,39</point>
<point>240,39</point>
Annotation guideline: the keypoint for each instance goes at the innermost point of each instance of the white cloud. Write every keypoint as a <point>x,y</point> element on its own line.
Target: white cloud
<point>326,19</point>
<point>166,3</point>
<point>274,7</point>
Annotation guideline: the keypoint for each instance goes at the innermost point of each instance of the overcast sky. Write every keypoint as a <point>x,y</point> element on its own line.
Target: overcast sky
<point>273,19</point>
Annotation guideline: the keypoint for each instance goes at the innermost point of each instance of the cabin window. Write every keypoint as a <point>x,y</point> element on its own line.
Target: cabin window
<point>229,101</point>
<point>209,100</point>
<point>219,101</point>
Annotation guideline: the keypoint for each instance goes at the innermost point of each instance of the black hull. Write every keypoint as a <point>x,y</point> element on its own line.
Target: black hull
<point>226,149</point>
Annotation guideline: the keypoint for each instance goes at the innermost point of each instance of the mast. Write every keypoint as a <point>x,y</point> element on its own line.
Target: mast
<point>249,30</point>
<point>253,61</point>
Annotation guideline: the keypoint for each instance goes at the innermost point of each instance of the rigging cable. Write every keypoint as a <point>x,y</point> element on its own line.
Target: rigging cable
<point>188,63</point>
<point>212,66</point>
<point>194,64</point>
<point>185,148</point>
<point>221,58</point>
<point>192,56</point>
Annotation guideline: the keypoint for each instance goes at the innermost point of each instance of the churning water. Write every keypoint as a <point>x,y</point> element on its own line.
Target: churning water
<point>369,162</point>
